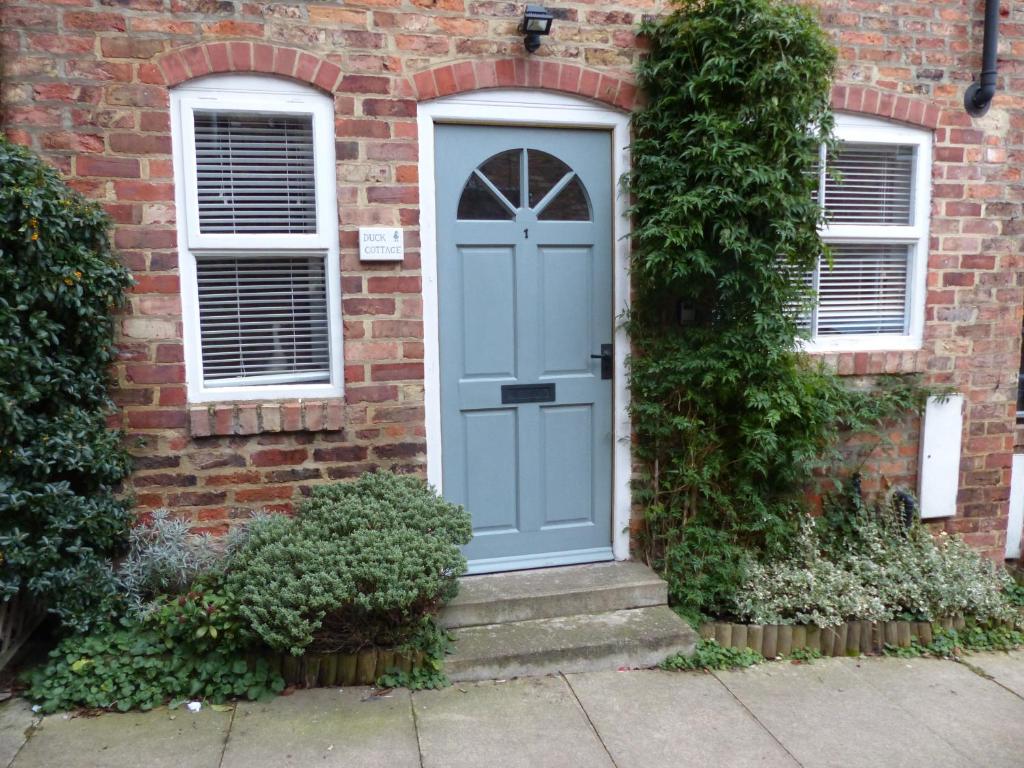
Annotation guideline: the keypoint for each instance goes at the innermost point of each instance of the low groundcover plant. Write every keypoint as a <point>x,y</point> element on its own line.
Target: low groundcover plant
<point>362,564</point>
<point>860,562</point>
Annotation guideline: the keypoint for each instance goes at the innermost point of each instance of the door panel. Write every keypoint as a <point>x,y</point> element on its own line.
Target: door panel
<point>525,300</point>
<point>490,477</point>
<point>488,311</point>
<point>567,437</point>
<point>566,315</point>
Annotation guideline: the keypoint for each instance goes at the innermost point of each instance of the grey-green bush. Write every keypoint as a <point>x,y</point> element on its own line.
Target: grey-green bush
<point>165,557</point>
<point>360,565</point>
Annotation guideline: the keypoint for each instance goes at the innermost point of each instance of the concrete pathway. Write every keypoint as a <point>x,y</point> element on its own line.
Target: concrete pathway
<point>834,712</point>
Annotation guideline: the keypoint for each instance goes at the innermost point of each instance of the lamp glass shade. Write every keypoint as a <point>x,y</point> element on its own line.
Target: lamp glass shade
<point>538,26</point>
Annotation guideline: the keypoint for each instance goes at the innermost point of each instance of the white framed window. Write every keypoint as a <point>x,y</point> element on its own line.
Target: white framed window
<point>872,295</point>
<point>254,174</point>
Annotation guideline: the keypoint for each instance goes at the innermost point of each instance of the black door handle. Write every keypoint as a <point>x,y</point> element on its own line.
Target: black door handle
<point>606,360</point>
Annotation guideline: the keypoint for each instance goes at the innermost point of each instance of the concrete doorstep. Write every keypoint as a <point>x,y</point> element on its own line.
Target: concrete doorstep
<point>834,712</point>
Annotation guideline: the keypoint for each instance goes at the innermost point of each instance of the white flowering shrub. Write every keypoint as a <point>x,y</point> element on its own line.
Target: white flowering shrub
<point>867,566</point>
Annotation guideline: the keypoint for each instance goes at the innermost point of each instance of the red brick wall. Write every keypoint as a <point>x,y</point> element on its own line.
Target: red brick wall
<point>86,83</point>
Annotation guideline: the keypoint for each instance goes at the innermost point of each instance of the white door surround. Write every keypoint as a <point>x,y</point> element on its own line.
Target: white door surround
<point>523,107</point>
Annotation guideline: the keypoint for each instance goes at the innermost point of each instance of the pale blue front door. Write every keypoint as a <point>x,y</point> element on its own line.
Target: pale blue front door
<point>525,308</point>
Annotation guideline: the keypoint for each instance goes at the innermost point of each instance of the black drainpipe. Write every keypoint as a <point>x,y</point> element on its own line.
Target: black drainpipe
<point>978,97</point>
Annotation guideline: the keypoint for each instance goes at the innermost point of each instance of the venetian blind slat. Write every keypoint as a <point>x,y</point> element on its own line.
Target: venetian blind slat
<point>263,317</point>
<point>255,173</point>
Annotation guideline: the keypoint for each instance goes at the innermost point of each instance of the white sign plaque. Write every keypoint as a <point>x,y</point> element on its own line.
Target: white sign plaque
<point>381,244</point>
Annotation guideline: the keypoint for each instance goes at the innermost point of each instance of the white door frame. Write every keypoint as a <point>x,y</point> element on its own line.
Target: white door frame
<point>523,107</point>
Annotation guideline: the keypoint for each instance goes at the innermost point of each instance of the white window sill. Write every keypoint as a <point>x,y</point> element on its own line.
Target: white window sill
<point>879,343</point>
<point>270,392</point>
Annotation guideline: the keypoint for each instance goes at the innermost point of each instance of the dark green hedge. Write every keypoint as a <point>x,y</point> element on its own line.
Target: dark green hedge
<point>59,463</point>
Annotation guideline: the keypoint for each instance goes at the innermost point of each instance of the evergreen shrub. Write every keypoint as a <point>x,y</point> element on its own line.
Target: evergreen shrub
<point>361,564</point>
<point>60,466</point>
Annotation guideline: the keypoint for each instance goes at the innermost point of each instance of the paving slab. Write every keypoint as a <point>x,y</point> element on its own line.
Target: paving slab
<point>977,716</point>
<point>328,727</point>
<point>1007,669</point>
<point>838,713</point>
<point>16,719</point>
<point>526,723</point>
<point>656,719</point>
<point>158,739</point>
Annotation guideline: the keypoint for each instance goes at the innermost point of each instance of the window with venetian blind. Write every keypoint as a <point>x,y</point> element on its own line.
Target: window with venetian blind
<point>875,191</point>
<point>254,161</point>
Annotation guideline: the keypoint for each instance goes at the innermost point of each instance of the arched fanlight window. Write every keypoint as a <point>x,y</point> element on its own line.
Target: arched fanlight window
<point>524,178</point>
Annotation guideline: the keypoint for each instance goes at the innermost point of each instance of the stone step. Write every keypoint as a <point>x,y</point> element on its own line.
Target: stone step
<point>633,638</point>
<point>545,593</point>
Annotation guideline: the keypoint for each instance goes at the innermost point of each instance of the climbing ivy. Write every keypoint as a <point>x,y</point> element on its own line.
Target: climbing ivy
<point>731,418</point>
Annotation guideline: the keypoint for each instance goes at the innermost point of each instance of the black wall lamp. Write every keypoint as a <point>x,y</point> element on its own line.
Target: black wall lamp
<point>536,22</point>
<point>978,97</point>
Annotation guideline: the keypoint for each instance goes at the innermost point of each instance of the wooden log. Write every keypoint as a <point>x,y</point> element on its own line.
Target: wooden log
<point>866,632</point>
<point>947,623</point>
<point>385,663</point>
<point>329,670</point>
<point>707,630</point>
<point>755,638</point>
<point>903,634</point>
<point>839,647</point>
<point>924,632</point>
<point>347,669</point>
<point>366,665</point>
<point>311,670</point>
<point>723,634</point>
<point>785,640</point>
<point>771,641</point>
<point>291,669</point>
<point>891,634</point>
<point>403,661</point>
<point>853,638</point>
<point>799,637</point>
<point>739,635</point>
<point>829,639</point>
<point>813,638</point>
<point>274,662</point>
<point>959,623</point>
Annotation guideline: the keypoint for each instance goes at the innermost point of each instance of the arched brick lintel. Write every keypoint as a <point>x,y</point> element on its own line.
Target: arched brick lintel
<point>868,100</point>
<point>573,79</point>
<point>179,65</point>
<point>183,64</point>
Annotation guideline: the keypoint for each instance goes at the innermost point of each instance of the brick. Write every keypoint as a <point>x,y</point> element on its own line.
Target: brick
<point>266,493</point>
<point>157,419</point>
<point>397,329</point>
<point>365,84</point>
<point>231,479</point>
<point>164,480</point>
<point>94,22</point>
<point>371,394</point>
<point>274,457</point>
<point>341,453</point>
<point>314,416</point>
<point>108,167</point>
<point>400,451</point>
<point>139,144</point>
<point>196,499</point>
<point>155,374</point>
<point>396,371</point>
<point>291,417</point>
